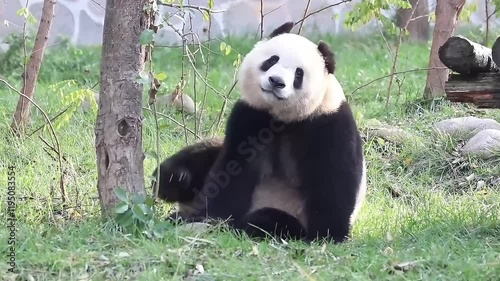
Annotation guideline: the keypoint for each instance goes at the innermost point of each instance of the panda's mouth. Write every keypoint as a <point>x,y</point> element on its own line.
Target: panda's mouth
<point>272,93</point>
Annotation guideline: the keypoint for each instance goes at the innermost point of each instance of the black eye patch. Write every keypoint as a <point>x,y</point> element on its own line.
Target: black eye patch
<point>299,78</point>
<point>269,63</point>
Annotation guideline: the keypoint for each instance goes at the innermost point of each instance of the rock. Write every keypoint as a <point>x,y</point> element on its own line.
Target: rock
<point>485,144</point>
<point>387,132</point>
<point>465,127</point>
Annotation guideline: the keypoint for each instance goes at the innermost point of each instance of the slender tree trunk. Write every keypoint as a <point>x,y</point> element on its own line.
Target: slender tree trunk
<point>447,13</point>
<point>418,24</point>
<point>21,116</point>
<point>119,120</point>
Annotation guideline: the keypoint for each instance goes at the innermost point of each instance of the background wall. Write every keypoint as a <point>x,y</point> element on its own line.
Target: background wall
<point>82,20</point>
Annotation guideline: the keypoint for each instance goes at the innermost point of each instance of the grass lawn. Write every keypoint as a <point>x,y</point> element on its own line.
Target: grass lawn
<point>423,213</point>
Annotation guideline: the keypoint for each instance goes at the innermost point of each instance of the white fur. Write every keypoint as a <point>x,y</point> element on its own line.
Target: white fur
<point>361,194</point>
<point>320,92</point>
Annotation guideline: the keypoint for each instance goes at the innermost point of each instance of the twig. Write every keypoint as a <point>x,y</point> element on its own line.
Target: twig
<point>487,31</point>
<point>173,120</point>
<point>304,17</point>
<point>221,112</point>
<point>56,140</point>
<point>51,120</point>
<point>201,9</point>
<point>194,78</point>
<point>205,90</point>
<point>396,53</point>
<point>322,9</point>
<point>395,73</point>
<point>261,19</point>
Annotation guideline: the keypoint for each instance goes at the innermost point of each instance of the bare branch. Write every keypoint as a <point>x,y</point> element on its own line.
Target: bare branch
<point>395,73</point>
<point>198,8</point>
<point>56,140</point>
<point>321,10</point>
<point>304,17</point>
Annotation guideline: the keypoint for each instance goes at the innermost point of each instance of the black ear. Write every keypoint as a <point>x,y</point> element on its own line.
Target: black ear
<point>328,55</point>
<point>284,28</point>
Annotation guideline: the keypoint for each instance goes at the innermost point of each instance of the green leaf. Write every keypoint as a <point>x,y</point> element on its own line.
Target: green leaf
<point>206,15</point>
<point>147,36</point>
<point>150,202</point>
<point>125,219</point>
<point>161,76</point>
<point>228,50</point>
<point>210,4</point>
<point>147,211</point>
<point>121,207</point>
<point>139,198</point>
<point>121,194</point>
<point>222,46</point>
<point>139,213</point>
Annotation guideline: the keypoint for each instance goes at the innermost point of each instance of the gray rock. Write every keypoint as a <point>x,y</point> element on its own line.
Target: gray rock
<point>387,132</point>
<point>465,127</point>
<point>485,144</point>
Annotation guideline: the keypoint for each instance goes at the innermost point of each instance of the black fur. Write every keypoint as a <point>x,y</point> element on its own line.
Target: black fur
<point>329,156</point>
<point>328,55</point>
<point>182,174</point>
<point>284,28</point>
<point>272,222</point>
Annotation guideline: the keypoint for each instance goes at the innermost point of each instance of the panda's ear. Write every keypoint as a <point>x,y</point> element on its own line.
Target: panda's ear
<point>328,55</point>
<point>284,28</point>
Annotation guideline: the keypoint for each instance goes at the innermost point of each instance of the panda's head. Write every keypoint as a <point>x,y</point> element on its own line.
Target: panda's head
<point>290,76</point>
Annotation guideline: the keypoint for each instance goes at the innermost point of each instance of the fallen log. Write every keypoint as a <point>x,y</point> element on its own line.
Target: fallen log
<point>483,89</point>
<point>466,57</point>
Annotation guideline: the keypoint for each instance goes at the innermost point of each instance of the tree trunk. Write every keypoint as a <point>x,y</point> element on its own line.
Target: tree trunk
<point>118,126</point>
<point>417,23</point>
<point>21,116</point>
<point>447,13</point>
<point>466,57</point>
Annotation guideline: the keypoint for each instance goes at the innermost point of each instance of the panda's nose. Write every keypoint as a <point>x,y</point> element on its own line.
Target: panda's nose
<point>277,82</point>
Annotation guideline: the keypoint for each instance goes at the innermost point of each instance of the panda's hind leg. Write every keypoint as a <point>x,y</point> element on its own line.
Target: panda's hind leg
<point>270,221</point>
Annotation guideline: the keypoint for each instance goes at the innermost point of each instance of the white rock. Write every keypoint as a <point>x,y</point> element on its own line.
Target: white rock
<point>485,144</point>
<point>465,127</point>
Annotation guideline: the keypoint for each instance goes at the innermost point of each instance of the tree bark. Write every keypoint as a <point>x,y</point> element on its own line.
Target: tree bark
<point>21,116</point>
<point>466,57</point>
<point>483,89</point>
<point>118,126</point>
<point>417,21</point>
<point>447,13</point>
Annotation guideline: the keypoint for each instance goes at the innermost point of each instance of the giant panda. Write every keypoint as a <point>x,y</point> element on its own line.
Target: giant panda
<point>291,162</point>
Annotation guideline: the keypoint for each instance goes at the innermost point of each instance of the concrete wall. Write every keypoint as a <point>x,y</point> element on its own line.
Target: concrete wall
<point>82,20</point>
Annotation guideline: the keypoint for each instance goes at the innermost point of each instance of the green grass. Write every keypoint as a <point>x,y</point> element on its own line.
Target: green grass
<point>438,219</point>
